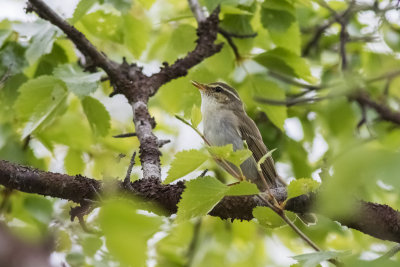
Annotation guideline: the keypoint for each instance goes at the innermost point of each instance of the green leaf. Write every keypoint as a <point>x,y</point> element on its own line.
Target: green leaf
<point>97,115</point>
<point>286,62</point>
<point>267,217</point>
<point>314,258</point>
<point>243,188</point>
<point>279,18</point>
<point>91,245</point>
<point>75,259</point>
<point>136,34</point>
<point>276,114</point>
<point>301,186</point>
<point>263,158</point>
<point>196,116</point>
<point>226,152</point>
<point>105,26</point>
<point>79,82</point>
<point>4,34</point>
<point>127,232</point>
<point>41,42</point>
<point>227,9</point>
<point>40,100</point>
<point>199,197</point>
<point>73,162</point>
<point>81,9</point>
<point>121,5</point>
<point>180,42</point>
<point>147,3</point>
<point>63,241</point>
<point>298,158</point>
<point>184,163</point>
<point>39,207</point>
<point>12,58</point>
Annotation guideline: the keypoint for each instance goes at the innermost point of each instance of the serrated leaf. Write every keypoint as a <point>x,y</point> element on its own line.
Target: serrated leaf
<point>184,163</point>
<point>286,62</point>
<point>301,186</point>
<point>196,116</point>
<point>243,188</point>
<point>314,258</point>
<point>199,197</point>
<point>263,158</point>
<point>73,162</point>
<point>79,82</point>
<point>279,18</point>
<point>97,115</point>
<point>41,42</point>
<point>267,217</point>
<point>226,152</point>
<point>40,99</point>
<point>81,9</point>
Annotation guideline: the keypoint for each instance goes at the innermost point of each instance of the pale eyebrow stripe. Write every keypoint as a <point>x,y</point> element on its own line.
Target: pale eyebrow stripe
<point>226,90</point>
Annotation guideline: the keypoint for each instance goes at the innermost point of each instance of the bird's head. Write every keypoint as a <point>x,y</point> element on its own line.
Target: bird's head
<point>218,93</point>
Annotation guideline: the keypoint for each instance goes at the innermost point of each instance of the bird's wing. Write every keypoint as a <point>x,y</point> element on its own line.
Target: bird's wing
<point>250,133</point>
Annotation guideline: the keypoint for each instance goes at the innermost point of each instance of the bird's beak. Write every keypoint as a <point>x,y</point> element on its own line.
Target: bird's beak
<point>201,86</point>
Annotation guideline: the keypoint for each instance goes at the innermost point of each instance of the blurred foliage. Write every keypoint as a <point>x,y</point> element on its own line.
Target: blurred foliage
<point>56,116</point>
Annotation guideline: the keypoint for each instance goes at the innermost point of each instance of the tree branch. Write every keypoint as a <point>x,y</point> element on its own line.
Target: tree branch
<point>82,43</point>
<point>129,80</point>
<point>384,111</point>
<point>380,221</point>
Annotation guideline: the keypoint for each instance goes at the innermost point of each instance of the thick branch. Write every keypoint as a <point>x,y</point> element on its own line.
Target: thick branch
<point>207,33</point>
<point>380,221</point>
<point>128,79</point>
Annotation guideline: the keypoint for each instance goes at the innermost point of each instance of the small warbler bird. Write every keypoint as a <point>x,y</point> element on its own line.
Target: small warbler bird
<point>226,122</point>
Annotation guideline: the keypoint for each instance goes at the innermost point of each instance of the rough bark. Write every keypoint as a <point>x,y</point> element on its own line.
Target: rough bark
<point>380,221</point>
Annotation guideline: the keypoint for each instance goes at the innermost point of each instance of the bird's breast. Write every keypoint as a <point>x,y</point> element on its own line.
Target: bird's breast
<point>220,128</point>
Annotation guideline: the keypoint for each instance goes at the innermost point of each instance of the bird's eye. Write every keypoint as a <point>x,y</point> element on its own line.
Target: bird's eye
<point>218,89</point>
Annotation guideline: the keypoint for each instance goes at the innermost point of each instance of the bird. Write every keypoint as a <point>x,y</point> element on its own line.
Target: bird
<point>225,121</point>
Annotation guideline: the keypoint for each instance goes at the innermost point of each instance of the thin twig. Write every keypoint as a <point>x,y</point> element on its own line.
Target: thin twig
<point>393,251</point>
<point>317,36</point>
<point>228,38</point>
<point>302,235</point>
<point>203,173</point>
<point>292,102</point>
<point>5,76</point>
<point>291,81</point>
<point>127,180</point>
<point>229,35</point>
<point>192,247</point>
<point>124,135</point>
<point>240,35</point>
<point>163,142</point>
<point>363,116</point>
<point>384,111</point>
